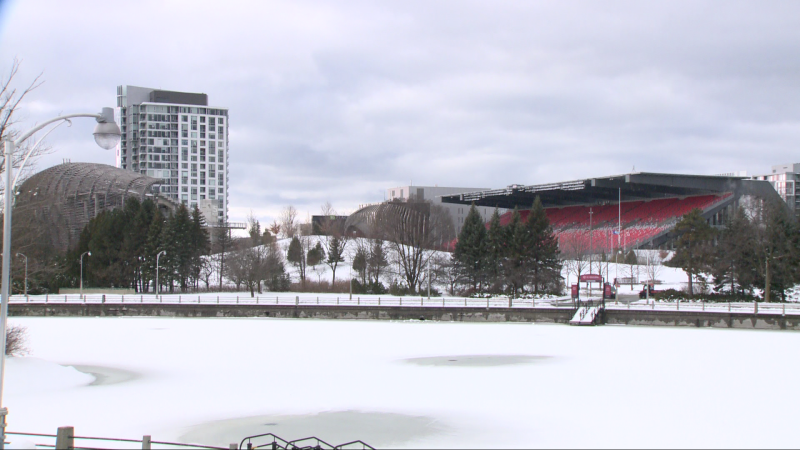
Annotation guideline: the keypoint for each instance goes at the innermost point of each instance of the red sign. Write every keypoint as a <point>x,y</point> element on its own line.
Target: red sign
<point>574,291</point>
<point>591,277</point>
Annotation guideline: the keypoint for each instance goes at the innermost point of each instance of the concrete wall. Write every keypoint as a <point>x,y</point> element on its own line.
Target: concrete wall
<point>544,315</point>
<point>703,319</point>
<point>448,314</point>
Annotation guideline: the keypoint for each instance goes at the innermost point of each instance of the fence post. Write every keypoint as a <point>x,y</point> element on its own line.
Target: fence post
<point>123,298</point>
<point>297,300</point>
<point>256,299</point>
<point>487,302</point>
<point>237,299</point>
<point>146,442</point>
<point>46,297</point>
<point>729,306</point>
<point>359,300</point>
<point>318,299</point>
<point>401,301</point>
<point>65,438</point>
<point>218,299</point>
<point>465,302</point>
<point>677,305</point>
<point>755,309</point>
<point>337,300</point>
<point>784,308</point>
<point>703,304</point>
<point>379,302</point>
<point>104,298</point>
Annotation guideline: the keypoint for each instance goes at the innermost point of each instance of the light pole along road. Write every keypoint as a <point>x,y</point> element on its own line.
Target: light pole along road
<point>26,273</point>
<point>107,135</point>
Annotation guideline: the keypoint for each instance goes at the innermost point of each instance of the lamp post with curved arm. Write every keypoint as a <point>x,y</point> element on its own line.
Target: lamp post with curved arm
<point>26,274</point>
<point>82,255</point>
<point>158,286</point>
<point>107,134</point>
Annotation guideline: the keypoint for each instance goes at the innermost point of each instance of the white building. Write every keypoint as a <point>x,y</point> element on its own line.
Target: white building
<point>784,179</point>
<point>177,137</point>
<point>434,194</point>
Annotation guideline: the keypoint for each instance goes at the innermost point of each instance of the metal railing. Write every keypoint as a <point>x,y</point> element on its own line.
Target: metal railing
<point>65,439</point>
<point>345,300</point>
<point>282,299</point>
<point>274,442</point>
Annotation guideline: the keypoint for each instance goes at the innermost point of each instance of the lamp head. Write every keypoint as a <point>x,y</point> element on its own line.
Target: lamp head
<point>89,253</point>
<point>106,133</point>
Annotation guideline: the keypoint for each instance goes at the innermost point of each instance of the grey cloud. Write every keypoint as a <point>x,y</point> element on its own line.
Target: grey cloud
<point>339,100</point>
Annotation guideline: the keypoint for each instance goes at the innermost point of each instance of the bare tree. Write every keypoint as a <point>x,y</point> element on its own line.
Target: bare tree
<point>413,230</point>
<point>288,222</point>
<point>10,100</point>
<point>575,253</point>
<point>16,337</point>
<point>334,238</point>
<point>651,261</point>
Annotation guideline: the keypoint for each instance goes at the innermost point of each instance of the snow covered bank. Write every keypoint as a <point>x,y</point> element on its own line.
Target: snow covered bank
<point>637,387</point>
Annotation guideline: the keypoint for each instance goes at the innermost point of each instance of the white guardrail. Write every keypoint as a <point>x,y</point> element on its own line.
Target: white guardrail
<point>381,300</point>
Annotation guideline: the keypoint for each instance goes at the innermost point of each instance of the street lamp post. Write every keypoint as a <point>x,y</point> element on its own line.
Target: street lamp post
<point>81,288</point>
<point>591,249</point>
<point>26,273</point>
<point>107,135</point>
<point>158,286</point>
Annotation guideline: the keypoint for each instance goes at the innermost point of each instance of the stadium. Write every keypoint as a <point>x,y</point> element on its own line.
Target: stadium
<point>630,211</point>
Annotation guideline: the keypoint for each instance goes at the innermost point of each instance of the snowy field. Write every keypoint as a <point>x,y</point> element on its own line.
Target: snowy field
<point>406,384</point>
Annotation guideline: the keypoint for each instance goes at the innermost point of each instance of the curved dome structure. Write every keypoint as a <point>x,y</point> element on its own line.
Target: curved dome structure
<point>59,201</point>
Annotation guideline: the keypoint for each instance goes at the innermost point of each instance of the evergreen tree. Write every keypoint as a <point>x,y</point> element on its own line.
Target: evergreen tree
<point>779,242</point>
<point>360,264</point>
<point>200,244</point>
<point>152,247</point>
<point>377,261</point>
<point>335,250</point>
<point>693,247</point>
<point>515,255</point>
<point>296,256</point>
<point>495,248</point>
<point>544,264</point>
<point>735,256</point>
<point>470,251</point>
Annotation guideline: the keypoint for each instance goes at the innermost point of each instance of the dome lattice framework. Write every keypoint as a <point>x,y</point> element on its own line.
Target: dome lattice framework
<point>54,205</point>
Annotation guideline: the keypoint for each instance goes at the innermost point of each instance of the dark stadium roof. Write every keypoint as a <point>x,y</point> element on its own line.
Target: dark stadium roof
<point>607,190</point>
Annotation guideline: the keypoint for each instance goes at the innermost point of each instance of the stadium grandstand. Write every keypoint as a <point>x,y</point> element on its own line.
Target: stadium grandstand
<point>631,211</point>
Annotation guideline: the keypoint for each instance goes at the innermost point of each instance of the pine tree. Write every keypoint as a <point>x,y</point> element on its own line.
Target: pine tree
<point>544,263</point>
<point>200,244</point>
<point>470,251</point>
<point>495,248</point>
<point>296,256</point>
<point>693,247</point>
<point>152,247</point>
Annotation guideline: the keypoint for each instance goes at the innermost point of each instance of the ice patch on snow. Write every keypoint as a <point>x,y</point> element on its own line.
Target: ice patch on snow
<point>378,429</point>
<point>104,376</point>
<point>475,360</point>
<point>32,375</point>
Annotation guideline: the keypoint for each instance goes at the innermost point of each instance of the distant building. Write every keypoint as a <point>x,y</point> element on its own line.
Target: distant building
<point>784,178</point>
<point>177,138</point>
<point>434,194</point>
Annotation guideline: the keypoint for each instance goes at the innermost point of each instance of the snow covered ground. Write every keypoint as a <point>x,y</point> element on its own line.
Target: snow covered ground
<point>406,384</point>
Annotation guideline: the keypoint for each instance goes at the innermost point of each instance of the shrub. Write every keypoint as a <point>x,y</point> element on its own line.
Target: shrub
<point>16,337</point>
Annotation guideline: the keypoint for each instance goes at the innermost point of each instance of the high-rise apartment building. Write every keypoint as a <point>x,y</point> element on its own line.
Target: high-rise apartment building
<point>177,137</point>
<point>785,178</point>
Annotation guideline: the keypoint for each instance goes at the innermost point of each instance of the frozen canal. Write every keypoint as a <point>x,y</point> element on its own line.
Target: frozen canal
<point>407,384</point>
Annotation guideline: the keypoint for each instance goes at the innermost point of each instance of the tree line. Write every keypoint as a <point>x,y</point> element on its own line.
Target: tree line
<point>125,244</point>
<point>758,248</point>
<point>522,257</point>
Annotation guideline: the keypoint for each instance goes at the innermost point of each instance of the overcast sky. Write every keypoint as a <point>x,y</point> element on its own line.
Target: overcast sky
<point>338,100</point>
